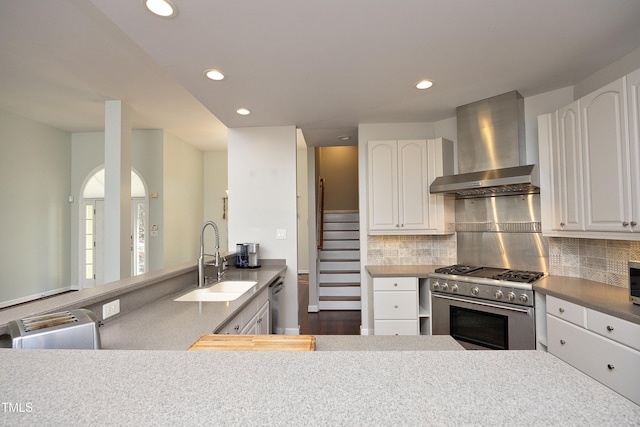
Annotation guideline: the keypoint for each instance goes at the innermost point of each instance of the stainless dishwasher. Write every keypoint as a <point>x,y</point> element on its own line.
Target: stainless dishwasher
<point>276,299</point>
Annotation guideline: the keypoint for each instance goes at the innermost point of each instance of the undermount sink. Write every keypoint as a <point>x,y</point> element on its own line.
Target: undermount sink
<point>227,290</point>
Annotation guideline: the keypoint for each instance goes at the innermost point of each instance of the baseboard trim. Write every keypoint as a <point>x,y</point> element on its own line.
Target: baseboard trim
<point>364,331</point>
<point>34,297</point>
<point>292,331</point>
<point>313,308</point>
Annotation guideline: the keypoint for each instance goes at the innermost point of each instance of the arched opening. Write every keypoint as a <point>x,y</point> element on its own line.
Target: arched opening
<point>91,257</point>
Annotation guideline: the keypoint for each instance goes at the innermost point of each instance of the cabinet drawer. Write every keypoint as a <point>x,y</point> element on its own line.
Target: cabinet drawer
<point>568,311</point>
<point>395,327</point>
<point>395,283</point>
<point>619,330</point>
<point>395,305</point>
<point>609,362</point>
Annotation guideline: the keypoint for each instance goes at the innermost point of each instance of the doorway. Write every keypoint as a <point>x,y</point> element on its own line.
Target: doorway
<point>91,253</point>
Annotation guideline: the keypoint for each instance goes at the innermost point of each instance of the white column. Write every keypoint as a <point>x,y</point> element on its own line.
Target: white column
<point>117,194</point>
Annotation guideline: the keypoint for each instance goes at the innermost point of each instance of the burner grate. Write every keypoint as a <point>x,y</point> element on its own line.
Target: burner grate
<point>457,269</point>
<point>518,276</point>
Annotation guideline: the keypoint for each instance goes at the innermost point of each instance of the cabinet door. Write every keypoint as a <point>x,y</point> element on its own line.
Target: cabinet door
<point>549,180</point>
<point>383,185</point>
<point>633,114</point>
<point>441,208</point>
<point>568,169</point>
<point>263,323</point>
<point>413,185</point>
<point>605,159</point>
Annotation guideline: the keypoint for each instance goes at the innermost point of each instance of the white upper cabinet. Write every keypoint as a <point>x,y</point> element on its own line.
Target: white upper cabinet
<point>633,122</point>
<point>399,175</point>
<point>606,159</point>
<point>590,150</point>
<point>568,169</point>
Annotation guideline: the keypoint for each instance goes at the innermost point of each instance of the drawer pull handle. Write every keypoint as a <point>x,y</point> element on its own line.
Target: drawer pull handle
<point>395,284</point>
<point>561,310</point>
<point>609,328</point>
<point>563,342</point>
<point>395,306</point>
<point>611,367</point>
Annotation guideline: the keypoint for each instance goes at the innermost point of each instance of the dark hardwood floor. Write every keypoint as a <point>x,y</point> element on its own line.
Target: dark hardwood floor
<point>326,322</point>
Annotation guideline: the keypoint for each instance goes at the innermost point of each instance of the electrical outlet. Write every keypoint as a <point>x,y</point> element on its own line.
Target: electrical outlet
<point>110,309</point>
<point>281,233</point>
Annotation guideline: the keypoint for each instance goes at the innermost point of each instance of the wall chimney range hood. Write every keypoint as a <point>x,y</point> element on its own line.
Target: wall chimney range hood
<point>492,155</point>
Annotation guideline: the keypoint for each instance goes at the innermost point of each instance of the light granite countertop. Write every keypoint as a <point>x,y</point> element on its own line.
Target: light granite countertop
<point>83,387</point>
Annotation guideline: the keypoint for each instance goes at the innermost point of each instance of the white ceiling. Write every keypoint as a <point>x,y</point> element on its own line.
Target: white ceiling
<point>323,66</point>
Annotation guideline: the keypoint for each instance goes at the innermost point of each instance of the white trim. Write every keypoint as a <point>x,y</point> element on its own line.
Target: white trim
<point>313,308</point>
<point>291,331</point>
<point>303,271</point>
<point>33,297</point>
<point>365,331</point>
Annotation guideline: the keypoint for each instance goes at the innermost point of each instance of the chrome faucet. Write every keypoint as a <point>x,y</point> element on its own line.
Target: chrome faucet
<point>217,264</point>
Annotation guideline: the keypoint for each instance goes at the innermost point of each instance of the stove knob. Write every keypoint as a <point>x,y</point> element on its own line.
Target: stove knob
<point>445,286</point>
<point>454,288</point>
<point>475,291</point>
<point>435,286</point>
<point>523,298</point>
<point>498,294</point>
<point>511,296</point>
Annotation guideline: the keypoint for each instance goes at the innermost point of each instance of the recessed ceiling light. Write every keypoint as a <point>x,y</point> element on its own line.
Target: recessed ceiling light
<point>424,84</point>
<point>243,111</point>
<point>214,74</point>
<point>163,8</point>
<point>344,137</point>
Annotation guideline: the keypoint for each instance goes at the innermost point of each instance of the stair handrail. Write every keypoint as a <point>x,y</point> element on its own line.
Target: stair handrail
<point>320,214</point>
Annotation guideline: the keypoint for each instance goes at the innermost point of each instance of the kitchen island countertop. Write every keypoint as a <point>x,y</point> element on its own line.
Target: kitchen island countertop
<point>84,387</point>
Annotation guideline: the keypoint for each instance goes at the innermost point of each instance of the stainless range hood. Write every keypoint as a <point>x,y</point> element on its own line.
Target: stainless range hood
<point>492,155</point>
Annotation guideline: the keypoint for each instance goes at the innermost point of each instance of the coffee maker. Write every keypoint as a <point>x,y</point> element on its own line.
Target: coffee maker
<point>247,255</point>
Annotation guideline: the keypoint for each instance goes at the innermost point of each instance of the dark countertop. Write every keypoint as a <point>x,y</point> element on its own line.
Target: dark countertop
<point>166,324</point>
<point>598,296</point>
<point>419,271</point>
<point>84,387</point>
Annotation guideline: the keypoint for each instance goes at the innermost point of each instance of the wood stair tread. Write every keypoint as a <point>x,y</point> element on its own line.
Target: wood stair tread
<point>339,298</point>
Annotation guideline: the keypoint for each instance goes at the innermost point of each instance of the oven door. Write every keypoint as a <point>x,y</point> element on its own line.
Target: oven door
<point>483,325</point>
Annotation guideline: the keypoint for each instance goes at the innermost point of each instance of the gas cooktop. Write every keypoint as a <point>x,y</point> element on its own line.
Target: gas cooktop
<point>504,274</point>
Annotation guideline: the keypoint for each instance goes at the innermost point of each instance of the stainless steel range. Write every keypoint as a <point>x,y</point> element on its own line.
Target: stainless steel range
<point>484,307</point>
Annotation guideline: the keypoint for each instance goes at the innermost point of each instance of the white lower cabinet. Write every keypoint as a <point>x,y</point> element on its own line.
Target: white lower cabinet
<point>253,319</point>
<point>592,346</point>
<point>395,306</point>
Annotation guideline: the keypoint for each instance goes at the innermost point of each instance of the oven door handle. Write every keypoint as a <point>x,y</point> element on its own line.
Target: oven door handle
<point>519,310</point>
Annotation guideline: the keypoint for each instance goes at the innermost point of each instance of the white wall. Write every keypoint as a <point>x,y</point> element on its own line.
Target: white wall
<point>35,172</point>
<point>215,186</point>
<point>183,200</point>
<point>262,199</point>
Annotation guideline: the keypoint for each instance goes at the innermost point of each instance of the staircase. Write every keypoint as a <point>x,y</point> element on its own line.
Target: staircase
<point>339,262</point>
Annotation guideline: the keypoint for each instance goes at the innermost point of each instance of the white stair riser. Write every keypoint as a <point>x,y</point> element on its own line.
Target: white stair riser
<point>330,226</point>
<point>341,217</point>
<point>339,305</point>
<point>340,266</point>
<point>337,255</point>
<point>335,291</point>
<point>339,278</point>
<point>341,244</point>
<point>337,235</point>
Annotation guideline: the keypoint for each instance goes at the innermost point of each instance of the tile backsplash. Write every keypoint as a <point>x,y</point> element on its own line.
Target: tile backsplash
<point>411,250</point>
<point>593,259</point>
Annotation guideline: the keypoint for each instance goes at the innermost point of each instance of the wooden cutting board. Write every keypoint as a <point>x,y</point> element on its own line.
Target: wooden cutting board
<point>255,343</point>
